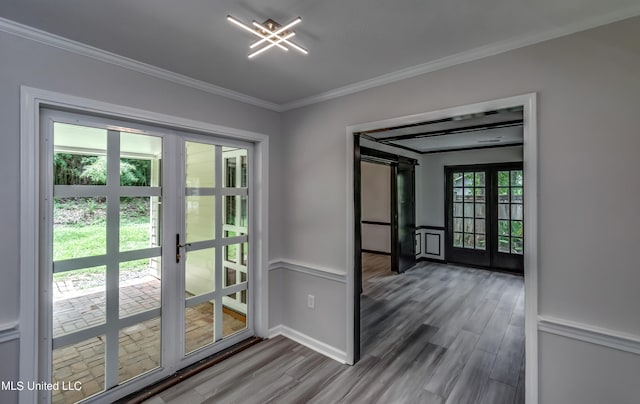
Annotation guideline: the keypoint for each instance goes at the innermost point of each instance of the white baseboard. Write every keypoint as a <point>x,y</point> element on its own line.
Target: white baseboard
<point>309,342</point>
<point>275,331</point>
<point>587,333</point>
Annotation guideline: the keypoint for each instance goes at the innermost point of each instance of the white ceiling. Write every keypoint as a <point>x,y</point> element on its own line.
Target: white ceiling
<point>349,41</point>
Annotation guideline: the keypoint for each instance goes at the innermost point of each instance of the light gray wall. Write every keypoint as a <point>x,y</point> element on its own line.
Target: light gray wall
<point>430,208</point>
<point>328,315</point>
<point>589,92</point>
<point>9,370</point>
<point>578,372</point>
<point>275,297</point>
<point>376,206</point>
<point>24,62</point>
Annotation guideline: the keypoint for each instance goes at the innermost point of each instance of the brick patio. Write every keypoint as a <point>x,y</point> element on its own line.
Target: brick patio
<point>139,349</point>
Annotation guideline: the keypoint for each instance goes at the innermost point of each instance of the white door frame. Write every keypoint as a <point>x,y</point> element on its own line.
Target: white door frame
<point>530,165</point>
<point>32,100</point>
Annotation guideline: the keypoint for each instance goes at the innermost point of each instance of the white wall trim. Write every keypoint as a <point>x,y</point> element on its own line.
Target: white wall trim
<point>464,57</point>
<point>9,332</point>
<point>530,150</point>
<point>31,102</point>
<point>319,272</point>
<point>79,48</point>
<point>424,234</point>
<point>309,342</point>
<point>588,333</point>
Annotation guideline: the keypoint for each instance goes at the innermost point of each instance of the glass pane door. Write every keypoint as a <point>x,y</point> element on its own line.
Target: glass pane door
<point>485,215</point>
<point>510,212</point>
<point>469,210</point>
<point>508,208</point>
<point>467,215</point>
<point>106,235</point>
<point>214,254</point>
<point>146,266</point>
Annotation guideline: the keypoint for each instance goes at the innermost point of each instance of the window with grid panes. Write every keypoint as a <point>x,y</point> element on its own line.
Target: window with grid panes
<point>510,212</point>
<point>469,210</point>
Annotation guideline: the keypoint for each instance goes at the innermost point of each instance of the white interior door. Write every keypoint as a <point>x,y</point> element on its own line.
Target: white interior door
<point>122,303</point>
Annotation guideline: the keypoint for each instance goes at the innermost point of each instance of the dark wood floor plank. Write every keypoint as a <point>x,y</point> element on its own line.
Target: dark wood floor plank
<point>480,317</point>
<point>509,358</point>
<point>519,399</point>
<point>494,331</point>
<point>498,393</point>
<point>446,373</point>
<point>517,317</point>
<point>309,384</point>
<point>473,380</point>
<point>406,384</point>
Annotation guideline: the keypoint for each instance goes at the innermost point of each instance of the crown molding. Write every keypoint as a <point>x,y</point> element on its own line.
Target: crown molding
<point>481,52</point>
<point>34,34</point>
<point>464,57</point>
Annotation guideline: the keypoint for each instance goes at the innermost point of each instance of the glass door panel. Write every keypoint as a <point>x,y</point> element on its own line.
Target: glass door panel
<point>217,229</point>
<point>485,215</point>
<point>105,250</point>
<point>508,247</point>
<point>467,191</point>
<point>117,291</point>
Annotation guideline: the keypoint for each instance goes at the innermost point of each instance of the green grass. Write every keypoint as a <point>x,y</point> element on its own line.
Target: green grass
<point>80,231</point>
<point>85,241</point>
<point>76,241</point>
<point>79,241</point>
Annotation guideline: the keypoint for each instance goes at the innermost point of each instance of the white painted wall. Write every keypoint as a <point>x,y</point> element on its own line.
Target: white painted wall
<point>321,322</point>
<point>431,192</point>
<point>24,62</point>
<point>376,206</point>
<point>588,87</point>
<point>9,352</point>
<point>578,372</point>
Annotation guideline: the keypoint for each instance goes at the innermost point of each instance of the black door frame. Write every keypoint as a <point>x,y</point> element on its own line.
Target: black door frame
<point>491,216</point>
<point>381,157</point>
<point>367,155</point>
<point>405,261</point>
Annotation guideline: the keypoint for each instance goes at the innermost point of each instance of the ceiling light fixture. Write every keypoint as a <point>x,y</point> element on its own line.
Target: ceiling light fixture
<point>271,34</point>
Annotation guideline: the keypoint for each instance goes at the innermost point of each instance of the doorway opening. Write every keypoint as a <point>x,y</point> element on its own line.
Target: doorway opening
<point>427,134</point>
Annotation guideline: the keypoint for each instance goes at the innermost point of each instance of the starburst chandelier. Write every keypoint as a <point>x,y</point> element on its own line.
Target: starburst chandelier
<point>271,34</point>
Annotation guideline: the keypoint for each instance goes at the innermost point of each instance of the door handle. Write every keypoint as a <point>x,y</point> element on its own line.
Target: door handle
<point>179,246</point>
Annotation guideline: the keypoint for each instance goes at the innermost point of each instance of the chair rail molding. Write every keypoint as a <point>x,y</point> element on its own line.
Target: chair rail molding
<point>591,334</point>
<point>9,332</point>
<point>320,272</point>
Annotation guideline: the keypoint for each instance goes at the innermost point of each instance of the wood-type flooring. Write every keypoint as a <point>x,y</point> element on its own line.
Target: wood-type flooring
<point>435,334</point>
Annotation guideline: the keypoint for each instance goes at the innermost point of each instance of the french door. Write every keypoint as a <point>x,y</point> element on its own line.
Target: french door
<point>484,211</point>
<point>146,263</point>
